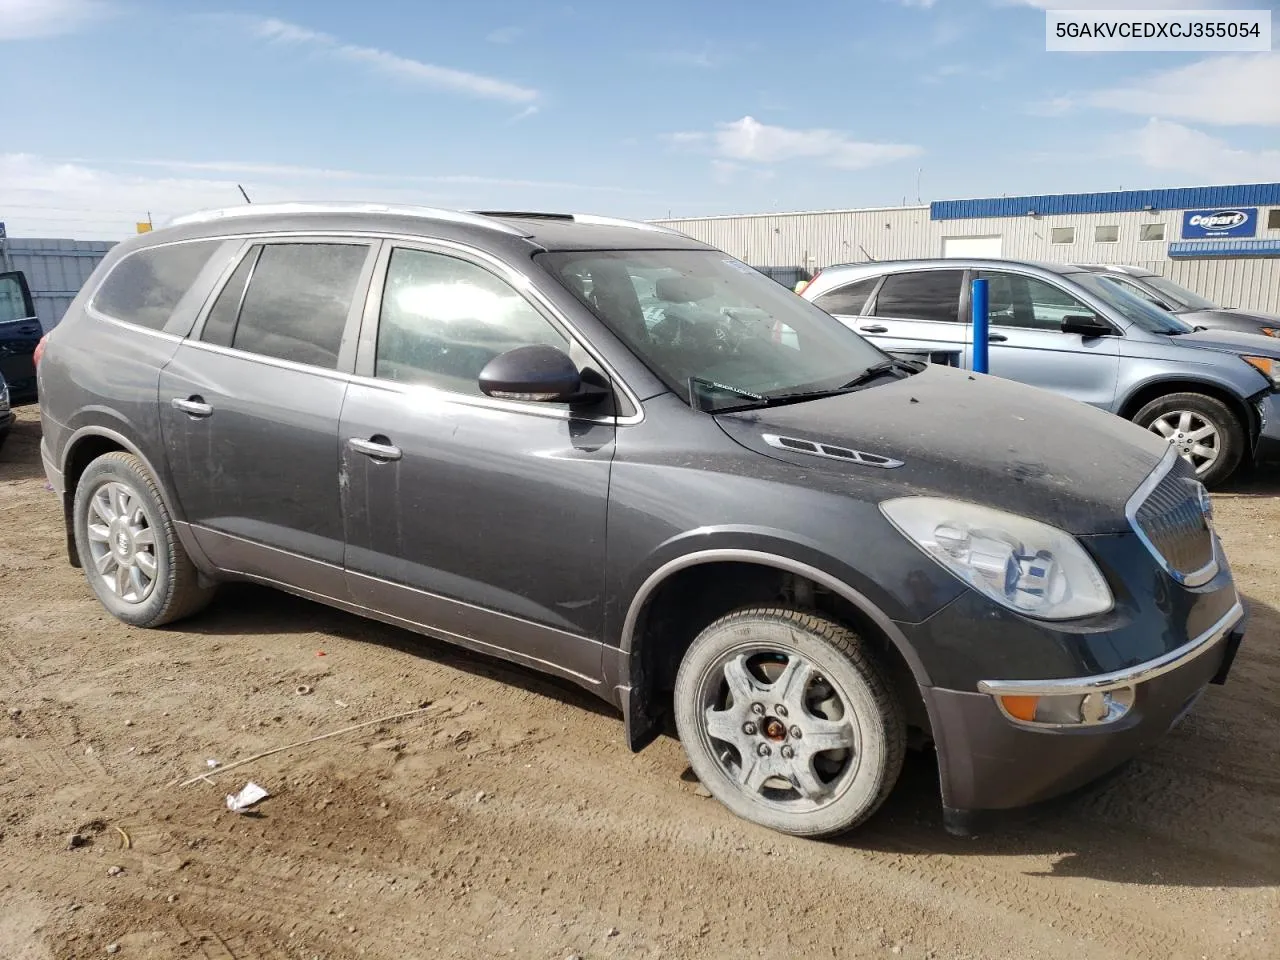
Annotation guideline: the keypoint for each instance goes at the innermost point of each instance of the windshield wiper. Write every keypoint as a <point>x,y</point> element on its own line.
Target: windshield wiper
<point>878,369</point>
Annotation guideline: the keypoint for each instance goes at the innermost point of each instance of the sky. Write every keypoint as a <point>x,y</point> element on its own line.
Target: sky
<point>120,110</point>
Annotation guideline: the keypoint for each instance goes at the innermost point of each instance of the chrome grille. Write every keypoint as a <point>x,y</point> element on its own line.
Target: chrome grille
<point>1172,517</point>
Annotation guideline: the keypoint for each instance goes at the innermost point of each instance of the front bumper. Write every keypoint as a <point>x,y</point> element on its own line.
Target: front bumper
<point>1267,447</point>
<point>989,762</point>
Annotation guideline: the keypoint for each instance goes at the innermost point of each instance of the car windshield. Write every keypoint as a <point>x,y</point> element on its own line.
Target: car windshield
<point>1180,296</point>
<point>717,332</point>
<point>1133,308</point>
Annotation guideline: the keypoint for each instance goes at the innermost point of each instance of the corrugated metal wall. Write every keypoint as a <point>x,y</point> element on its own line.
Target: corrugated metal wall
<point>55,270</point>
<point>820,239</point>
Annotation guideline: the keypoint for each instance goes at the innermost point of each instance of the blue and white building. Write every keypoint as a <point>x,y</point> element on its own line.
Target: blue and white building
<point>1223,242</point>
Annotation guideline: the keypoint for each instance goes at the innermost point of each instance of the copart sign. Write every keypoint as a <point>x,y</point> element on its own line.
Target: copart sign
<point>1220,224</point>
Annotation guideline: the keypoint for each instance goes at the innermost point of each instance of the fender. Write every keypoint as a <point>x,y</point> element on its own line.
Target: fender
<point>1189,382</point>
<point>171,503</point>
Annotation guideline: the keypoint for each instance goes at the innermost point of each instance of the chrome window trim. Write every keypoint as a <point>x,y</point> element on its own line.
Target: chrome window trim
<point>96,314</point>
<point>1196,578</point>
<point>1130,676</point>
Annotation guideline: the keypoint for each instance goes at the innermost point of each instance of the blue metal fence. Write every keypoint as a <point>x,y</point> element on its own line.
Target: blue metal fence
<point>55,270</point>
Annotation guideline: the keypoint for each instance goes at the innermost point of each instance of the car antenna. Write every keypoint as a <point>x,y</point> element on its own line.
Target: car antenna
<point>866,254</point>
<point>243,194</point>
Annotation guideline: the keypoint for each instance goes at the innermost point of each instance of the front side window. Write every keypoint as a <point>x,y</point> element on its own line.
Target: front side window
<point>1018,301</point>
<point>298,300</point>
<point>719,334</point>
<point>849,300</point>
<point>925,295</point>
<point>443,319</point>
<point>144,287</point>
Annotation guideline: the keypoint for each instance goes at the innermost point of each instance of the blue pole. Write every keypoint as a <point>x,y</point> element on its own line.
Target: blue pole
<point>980,342</point>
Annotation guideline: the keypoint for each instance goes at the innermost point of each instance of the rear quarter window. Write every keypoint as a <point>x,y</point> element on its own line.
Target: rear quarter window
<point>144,287</point>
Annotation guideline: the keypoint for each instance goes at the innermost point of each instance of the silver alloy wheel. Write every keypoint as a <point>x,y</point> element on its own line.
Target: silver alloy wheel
<point>779,729</point>
<point>1196,437</point>
<point>122,541</point>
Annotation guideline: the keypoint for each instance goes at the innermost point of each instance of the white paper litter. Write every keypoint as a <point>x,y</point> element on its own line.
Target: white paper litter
<point>248,796</point>
<point>212,764</point>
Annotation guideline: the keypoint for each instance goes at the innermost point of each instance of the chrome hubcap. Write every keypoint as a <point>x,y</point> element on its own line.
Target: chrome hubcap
<point>780,729</point>
<point>122,542</point>
<point>1195,438</point>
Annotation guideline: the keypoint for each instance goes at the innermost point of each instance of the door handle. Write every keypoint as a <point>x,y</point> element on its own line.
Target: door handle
<point>193,407</point>
<point>874,328</point>
<point>374,449</point>
<point>997,337</point>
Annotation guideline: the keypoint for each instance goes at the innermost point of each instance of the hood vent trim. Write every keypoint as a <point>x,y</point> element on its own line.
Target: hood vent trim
<point>830,451</point>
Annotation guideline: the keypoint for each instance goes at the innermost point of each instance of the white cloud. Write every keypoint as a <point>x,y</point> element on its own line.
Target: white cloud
<point>505,35</point>
<point>1165,145</point>
<point>91,199</point>
<point>1237,89</point>
<point>391,64</point>
<point>27,19</point>
<point>749,140</point>
<point>917,3</point>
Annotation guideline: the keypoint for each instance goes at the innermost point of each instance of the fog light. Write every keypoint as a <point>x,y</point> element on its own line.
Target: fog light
<point>1067,710</point>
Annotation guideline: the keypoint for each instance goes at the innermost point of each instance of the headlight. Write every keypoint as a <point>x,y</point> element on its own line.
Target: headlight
<point>1027,566</point>
<point>1266,366</point>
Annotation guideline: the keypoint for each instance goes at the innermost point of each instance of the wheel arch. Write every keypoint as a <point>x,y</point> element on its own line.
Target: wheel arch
<point>641,688</point>
<point>85,445</point>
<point>1150,390</point>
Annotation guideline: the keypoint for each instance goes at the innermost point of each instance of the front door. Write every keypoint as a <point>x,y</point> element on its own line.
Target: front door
<point>249,408</point>
<point>20,331</point>
<point>481,520</point>
<point>1025,315</point>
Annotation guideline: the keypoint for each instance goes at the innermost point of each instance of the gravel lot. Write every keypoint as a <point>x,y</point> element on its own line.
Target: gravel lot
<point>508,819</point>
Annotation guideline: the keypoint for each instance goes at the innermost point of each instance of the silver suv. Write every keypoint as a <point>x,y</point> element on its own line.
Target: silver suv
<point>1212,393</point>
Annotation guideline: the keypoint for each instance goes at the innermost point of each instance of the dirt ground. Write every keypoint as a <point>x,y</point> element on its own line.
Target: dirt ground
<point>508,819</point>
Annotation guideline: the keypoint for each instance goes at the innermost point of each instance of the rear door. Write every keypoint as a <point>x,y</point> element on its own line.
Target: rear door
<point>1025,314</point>
<point>19,333</point>
<point>249,409</point>
<point>919,312</point>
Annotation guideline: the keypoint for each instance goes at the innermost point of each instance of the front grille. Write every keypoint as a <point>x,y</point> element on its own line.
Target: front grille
<point>1174,523</point>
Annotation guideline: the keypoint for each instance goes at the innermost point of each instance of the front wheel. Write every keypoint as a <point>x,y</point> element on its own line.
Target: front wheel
<point>1203,430</point>
<point>128,547</point>
<point>788,720</point>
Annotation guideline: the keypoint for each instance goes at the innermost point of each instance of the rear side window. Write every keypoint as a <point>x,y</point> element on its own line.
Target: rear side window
<point>220,326</point>
<point>144,287</point>
<point>297,302</point>
<point>847,301</point>
<point>926,295</point>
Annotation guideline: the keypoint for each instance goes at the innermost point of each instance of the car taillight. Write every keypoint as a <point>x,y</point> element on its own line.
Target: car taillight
<point>39,351</point>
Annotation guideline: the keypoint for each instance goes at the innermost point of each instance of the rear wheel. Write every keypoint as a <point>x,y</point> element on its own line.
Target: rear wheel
<point>788,721</point>
<point>1203,430</point>
<point>129,550</point>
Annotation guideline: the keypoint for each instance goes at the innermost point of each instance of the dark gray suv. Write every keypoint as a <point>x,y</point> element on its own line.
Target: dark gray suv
<point>609,452</point>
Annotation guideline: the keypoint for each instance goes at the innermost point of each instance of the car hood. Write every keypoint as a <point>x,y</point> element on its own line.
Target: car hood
<point>968,437</point>
<point>1232,341</point>
<point>1229,314</point>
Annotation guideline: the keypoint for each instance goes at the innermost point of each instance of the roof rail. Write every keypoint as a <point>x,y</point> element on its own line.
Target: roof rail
<point>399,210</point>
<point>593,220</point>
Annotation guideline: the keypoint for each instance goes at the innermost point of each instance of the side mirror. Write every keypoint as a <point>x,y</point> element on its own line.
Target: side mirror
<point>538,372</point>
<point>1086,325</point>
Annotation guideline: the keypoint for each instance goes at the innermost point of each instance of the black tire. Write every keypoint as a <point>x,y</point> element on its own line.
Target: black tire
<point>174,590</point>
<point>841,669</point>
<point>1233,437</point>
